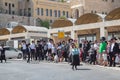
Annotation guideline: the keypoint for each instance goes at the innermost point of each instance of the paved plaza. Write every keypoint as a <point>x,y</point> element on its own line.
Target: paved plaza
<point>20,70</point>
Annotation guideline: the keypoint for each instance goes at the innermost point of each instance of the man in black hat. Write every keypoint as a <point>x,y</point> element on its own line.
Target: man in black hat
<point>114,49</point>
<point>38,50</point>
<point>2,56</point>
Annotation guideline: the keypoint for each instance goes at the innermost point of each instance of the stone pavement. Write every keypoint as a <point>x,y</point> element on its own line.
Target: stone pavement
<point>35,62</point>
<point>21,70</point>
<point>106,67</point>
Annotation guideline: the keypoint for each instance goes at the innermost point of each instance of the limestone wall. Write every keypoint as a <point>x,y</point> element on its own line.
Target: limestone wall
<point>5,18</point>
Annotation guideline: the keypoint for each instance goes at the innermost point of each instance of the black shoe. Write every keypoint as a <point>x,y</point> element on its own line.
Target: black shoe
<point>76,68</point>
<point>28,61</point>
<point>72,68</point>
<point>5,61</point>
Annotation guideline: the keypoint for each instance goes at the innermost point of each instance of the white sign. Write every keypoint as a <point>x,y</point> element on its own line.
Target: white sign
<point>15,43</point>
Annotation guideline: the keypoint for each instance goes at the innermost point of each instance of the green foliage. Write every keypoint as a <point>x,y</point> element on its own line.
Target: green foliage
<point>62,1</point>
<point>62,17</point>
<point>45,23</point>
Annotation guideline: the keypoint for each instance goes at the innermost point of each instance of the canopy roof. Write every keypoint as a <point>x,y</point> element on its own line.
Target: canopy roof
<point>113,15</point>
<point>25,28</point>
<point>88,18</point>
<point>61,23</point>
<point>5,31</point>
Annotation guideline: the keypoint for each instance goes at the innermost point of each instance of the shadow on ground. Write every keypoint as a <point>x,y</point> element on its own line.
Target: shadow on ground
<point>84,69</point>
<point>5,62</point>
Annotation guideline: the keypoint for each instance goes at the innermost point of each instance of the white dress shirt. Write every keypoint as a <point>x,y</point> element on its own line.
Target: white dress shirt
<point>50,45</point>
<point>24,46</point>
<point>32,46</point>
<point>112,45</point>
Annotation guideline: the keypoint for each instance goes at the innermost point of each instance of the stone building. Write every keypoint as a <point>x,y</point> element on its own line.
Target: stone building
<point>9,7</point>
<point>37,10</point>
<point>29,12</point>
<point>100,6</point>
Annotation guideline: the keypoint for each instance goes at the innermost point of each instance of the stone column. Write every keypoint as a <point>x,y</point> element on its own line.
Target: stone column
<point>51,36</point>
<point>76,35</point>
<point>98,35</point>
<point>72,34</point>
<point>106,33</point>
<point>48,34</point>
<point>26,35</point>
<point>103,32</point>
<point>10,36</point>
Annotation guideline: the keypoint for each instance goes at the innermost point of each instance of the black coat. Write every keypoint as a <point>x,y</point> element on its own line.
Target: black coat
<point>116,48</point>
<point>2,51</point>
<point>2,56</point>
<point>86,47</point>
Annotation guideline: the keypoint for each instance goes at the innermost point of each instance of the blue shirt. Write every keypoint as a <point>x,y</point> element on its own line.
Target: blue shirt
<point>75,51</point>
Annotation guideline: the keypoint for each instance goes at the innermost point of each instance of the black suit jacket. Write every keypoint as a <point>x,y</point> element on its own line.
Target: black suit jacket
<point>116,48</point>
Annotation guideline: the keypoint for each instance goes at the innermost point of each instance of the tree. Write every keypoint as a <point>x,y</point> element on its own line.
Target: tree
<point>45,23</point>
<point>62,1</point>
<point>62,17</point>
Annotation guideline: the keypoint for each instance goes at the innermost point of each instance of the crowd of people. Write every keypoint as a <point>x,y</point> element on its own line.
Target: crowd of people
<point>106,53</point>
<point>44,50</point>
<point>50,51</point>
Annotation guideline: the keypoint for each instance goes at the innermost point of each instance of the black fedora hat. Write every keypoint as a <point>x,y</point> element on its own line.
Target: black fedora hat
<point>103,39</point>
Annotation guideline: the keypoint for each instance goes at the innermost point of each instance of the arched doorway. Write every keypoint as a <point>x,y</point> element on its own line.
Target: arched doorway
<point>38,20</point>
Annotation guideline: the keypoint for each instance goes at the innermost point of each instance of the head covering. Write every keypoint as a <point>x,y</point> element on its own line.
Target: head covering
<point>102,39</point>
<point>38,41</point>
<point>114,38</point>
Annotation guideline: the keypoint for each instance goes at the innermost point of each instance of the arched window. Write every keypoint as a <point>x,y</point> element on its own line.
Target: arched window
<point>38,20</point>
<point>76,13</point>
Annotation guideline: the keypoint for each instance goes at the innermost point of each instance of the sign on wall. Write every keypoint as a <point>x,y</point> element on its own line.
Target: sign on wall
<point>61,34</point>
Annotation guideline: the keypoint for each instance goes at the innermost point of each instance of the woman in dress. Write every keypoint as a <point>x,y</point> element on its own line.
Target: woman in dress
<point>75,57</point>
